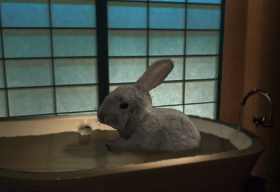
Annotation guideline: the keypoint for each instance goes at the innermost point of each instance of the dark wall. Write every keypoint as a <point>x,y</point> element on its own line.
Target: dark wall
<point>233,59</point>
<point>251,60</point>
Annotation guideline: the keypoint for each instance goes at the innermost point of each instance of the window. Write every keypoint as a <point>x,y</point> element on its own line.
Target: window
<point>188,32</point>
<point>48,63</point>
<point>52,52</point>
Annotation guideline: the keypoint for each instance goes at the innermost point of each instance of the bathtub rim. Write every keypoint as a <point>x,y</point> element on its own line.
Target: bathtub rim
<point>255,148</point>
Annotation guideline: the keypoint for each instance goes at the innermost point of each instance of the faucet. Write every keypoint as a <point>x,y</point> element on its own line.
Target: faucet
<point>258,120</point>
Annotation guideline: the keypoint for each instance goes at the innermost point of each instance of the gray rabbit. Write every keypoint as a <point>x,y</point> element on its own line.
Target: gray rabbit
<point>128,109</point>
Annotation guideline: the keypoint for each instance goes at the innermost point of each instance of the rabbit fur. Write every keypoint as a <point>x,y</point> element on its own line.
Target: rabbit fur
<point>128,109</point>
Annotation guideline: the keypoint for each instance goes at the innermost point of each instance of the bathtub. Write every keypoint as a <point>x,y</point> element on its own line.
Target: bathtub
<point>46,154</point>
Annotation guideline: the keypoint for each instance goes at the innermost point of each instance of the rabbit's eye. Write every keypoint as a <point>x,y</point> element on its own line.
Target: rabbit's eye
<point>124,105</point>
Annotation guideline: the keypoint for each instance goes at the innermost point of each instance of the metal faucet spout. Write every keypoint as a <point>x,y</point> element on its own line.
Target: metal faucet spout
<point>263,120</point>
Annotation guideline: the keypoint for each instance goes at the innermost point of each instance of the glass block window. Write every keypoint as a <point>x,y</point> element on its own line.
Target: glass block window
<point>47,57</point>
<point>127,47</point>
<point>52,53</point>
<point>186,31</point>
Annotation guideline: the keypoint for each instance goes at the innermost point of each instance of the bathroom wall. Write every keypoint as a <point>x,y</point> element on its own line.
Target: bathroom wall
<point>248,57</point>
<point>233,59</point>
<point>251,59</point>
<point>260,62</point>
<point>272,53</point>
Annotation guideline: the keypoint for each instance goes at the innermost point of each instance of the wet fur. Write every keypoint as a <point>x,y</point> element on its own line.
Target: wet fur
<point>142,127</point>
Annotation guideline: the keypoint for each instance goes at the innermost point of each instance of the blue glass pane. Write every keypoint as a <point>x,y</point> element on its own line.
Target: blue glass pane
<point>70,99</point>
<point>167,16</point>
<point>161,95</point>
<point>203,17</point>
<point>126,70</point>
<point>166,43</point>
<point>177,72</point>
<point>127,15</point>
<point>207,110</point>
<point>1,74</point>
<point>127,43</point>
<point>71,13</point>
<point>168,0</point>
<point>74,42</point>
<point>3,104</point>
<point>75,71</point>
<point>31,101</point>
<point>25,13</point>
<point>201,67</point>
<point>176,107</point>
<point>202,43</point>
<point>200,91</point>
<point>205,1</point>
<point>21,73</point>
<point>26,43</point>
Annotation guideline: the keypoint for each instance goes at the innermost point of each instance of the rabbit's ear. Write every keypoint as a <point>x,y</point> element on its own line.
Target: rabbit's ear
<point>154,75</point>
